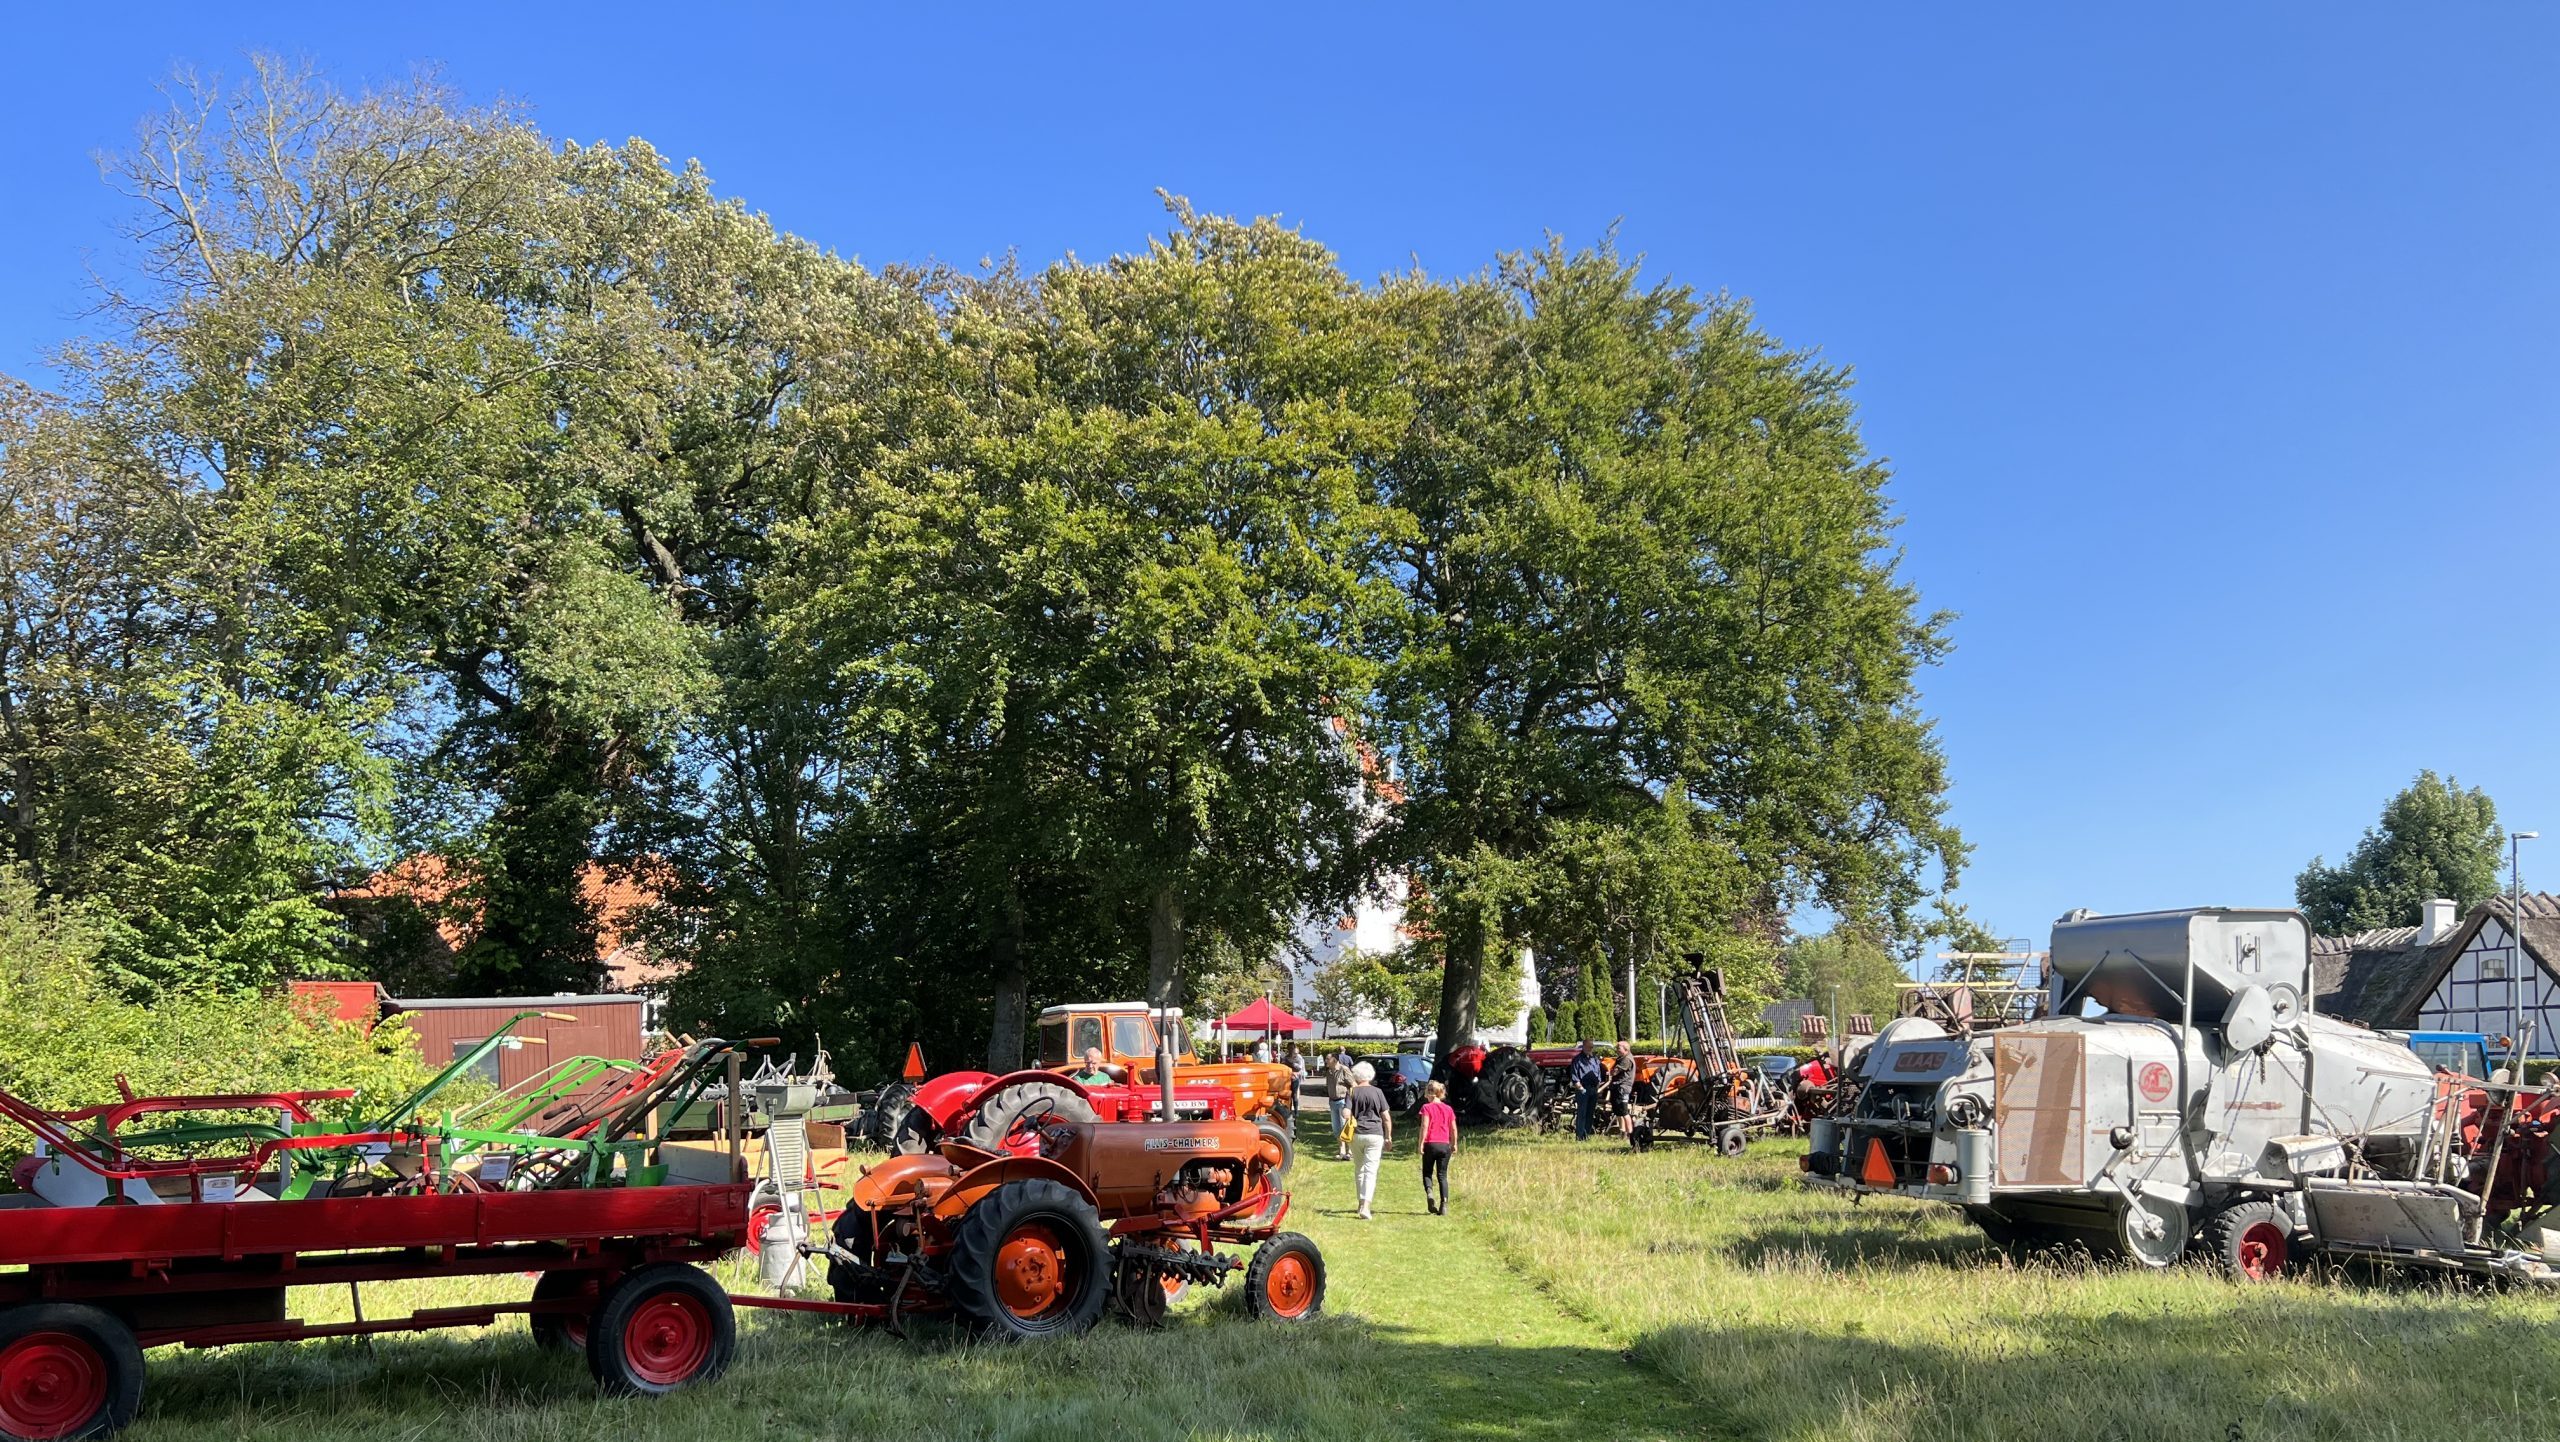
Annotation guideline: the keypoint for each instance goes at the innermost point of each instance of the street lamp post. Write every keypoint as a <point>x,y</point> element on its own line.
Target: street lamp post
<point>2515,935</point>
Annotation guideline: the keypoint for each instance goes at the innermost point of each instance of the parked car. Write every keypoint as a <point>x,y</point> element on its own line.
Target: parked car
<point>1780,1070</point>
<point>1400,1075</point>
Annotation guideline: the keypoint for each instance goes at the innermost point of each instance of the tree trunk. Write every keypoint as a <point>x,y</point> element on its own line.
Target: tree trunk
<point>1462,980</point>
<point>1164,944</point>
<point>1004,1034</point>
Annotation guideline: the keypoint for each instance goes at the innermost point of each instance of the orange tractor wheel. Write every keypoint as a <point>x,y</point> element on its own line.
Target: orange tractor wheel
<point>1030,1261</point>
<point>1286,1281</point>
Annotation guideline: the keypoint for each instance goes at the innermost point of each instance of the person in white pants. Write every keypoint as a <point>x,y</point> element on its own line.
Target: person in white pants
<point>1372,1127</point>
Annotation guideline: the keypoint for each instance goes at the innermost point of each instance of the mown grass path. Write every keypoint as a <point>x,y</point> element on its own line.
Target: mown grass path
<point>1482,1350</point>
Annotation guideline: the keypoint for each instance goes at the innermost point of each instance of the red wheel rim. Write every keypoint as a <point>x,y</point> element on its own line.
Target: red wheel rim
<point>2262,1250</point>
<point>1291,1288</point>
<point>668,1339</point>
<point>1031,1272</point>
<point>757,1221</point>
<point>50,1384</point>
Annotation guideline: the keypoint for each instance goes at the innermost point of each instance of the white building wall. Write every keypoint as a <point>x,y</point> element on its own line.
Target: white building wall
<point>2492,976</point>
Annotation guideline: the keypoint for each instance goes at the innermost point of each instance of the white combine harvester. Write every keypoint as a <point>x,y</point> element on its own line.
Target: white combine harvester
<point>2203,1108</point>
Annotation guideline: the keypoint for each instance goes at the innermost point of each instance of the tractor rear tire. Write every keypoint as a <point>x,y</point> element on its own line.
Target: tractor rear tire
<point>880,1124</point>
<point>1286,1281</point>
<point>916,1134</point>
<point>997,1112</point>
<point>1508,1088</point>
<point>662,1328</point>
<point>1278,1176</point>
<point>565,1331</point>
<point>1029,1260</point>
<point>2252,1241</point>
<point>66,1371</point>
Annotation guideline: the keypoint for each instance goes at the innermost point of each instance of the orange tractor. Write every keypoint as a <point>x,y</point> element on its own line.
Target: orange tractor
<point>1082,1216</point>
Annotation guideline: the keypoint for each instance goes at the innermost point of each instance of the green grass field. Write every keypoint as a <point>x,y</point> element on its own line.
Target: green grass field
<point>1577,1291</point>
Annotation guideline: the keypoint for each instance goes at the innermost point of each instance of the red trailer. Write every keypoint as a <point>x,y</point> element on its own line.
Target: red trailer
<point>619,1278</point>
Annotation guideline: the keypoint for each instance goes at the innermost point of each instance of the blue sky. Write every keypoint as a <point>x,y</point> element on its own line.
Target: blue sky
<point>2213,348</point>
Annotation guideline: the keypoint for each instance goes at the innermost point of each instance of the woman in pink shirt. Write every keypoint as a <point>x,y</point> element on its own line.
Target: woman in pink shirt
<point>1439,1139</point>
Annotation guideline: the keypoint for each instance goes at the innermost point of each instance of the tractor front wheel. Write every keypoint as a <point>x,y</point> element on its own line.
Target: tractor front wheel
<point>2252,1241</point>
<point>661,1328</point>
<point>66,1371</point>
<point>1286,1281</point>
<point>1029,1260</point>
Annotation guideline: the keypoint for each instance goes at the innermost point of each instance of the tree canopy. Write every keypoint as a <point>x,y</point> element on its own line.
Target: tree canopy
<point>2434,839</point>
<point>934,643</point>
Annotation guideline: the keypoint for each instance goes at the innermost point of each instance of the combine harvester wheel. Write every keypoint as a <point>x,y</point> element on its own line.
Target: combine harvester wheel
<point>2252,1241</point>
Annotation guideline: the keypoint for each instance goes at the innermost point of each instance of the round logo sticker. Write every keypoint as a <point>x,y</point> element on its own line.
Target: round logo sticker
<point>2154,1082</point>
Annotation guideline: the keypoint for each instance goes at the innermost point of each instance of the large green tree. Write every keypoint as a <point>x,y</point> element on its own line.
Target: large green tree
<point>2434,839</point>
<point>1647,566</point>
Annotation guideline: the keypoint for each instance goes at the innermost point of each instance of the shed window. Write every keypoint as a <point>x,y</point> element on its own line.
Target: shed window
<point>487,1067</point>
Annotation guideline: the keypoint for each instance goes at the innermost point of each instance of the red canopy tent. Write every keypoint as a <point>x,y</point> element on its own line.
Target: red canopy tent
<point>1263,1017</point>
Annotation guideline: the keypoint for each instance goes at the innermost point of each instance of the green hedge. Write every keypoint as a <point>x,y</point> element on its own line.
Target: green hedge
<point>65,1036</point>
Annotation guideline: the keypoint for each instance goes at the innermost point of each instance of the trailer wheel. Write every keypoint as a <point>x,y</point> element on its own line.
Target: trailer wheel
<point>2251,1240</point>
<point>998,1112</point>
<point>566,1331</point>
<point>1286,1281</point>
<point>1730,1141</point>
<point>663,1327</point>
<point>1029,1260</point>
<point>66,1371</point>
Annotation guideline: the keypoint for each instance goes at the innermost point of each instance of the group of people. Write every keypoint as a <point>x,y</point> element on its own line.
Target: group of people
<point>1589,1078</point>
<point>1363,1125</point>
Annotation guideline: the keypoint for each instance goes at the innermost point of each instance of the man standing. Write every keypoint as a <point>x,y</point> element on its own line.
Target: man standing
<point>1337,1095</point>
<point>1373,1126</point>
<point>1586,1076</point>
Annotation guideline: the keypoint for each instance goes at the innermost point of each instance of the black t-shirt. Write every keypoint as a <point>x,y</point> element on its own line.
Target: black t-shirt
<point>1369,1111</point>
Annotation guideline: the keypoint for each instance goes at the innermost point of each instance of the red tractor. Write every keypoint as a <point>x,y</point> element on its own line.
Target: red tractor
<point>1076,1217</point>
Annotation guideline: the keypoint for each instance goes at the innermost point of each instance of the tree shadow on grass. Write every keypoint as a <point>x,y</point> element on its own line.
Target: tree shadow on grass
<point>2282,1365</point>
<point>1212,1373</point>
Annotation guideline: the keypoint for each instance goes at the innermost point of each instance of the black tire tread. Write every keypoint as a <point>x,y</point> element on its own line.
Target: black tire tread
<point>604,1338</point>
<point>995,1113</point>
<point>1257,1276</point>
<point>114,1342</point>
<point>984,1227</point>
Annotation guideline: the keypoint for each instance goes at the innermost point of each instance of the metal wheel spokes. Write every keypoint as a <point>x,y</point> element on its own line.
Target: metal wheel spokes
<point>668,1340</point>
<point>50,1383</point>
<point>1031,1270</point>
<point>1292,1286</point>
